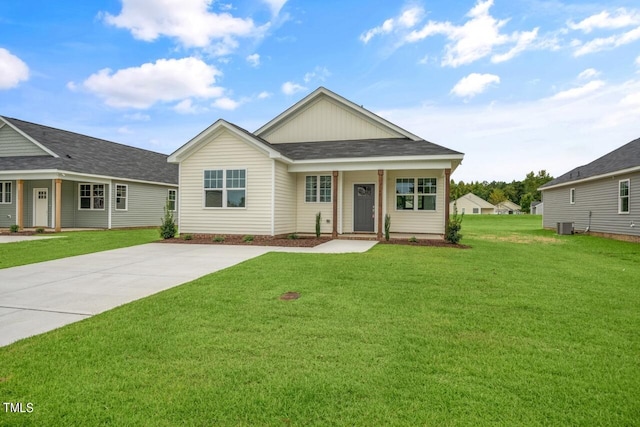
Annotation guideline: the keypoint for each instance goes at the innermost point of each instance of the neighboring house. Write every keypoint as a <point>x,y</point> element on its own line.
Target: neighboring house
<point>507,208</point>
<point>470,204</point>
<point>56,179</point>
<point>324,155</point>
<point>602,197</point>
<point>537,208</point>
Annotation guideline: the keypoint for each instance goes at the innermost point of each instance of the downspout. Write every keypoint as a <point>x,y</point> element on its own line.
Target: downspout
<point>589,224</point>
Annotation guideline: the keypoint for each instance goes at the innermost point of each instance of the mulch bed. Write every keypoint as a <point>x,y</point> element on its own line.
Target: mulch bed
<point>18,233</point>
<point>300,242</point>
<point>424,242</point>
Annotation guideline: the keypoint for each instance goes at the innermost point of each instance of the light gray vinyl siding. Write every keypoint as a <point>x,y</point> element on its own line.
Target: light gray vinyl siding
<point>13,144</point>
<point>28,200</point>
<point>145,205</point>
<point>598,197</point>
<point>69,207</point>
<point>8,210</point>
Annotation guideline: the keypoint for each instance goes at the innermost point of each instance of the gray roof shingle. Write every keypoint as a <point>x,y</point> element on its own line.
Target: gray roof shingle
<point>625,157</point>
<point>85,154</point>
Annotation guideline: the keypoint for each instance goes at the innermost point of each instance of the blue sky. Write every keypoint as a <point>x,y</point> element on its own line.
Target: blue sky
<point>517,85</point>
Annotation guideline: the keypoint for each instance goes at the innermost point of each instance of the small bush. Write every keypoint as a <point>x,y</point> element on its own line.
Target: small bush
<point>168,227</point>
<point>293,236</point>
<point>14,228</point>
<point>387,226</point>
<point>39,230</point>
<point>248,238</point>
<point>413,239</point>
<point>187,237</point>
<point>452,233</point>
<point>318,223</point>
<point>218,239</point>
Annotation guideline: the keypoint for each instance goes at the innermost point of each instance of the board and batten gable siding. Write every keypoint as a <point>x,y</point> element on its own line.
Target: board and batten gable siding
<point>226,151</point>
<point>285,200</point>
<point>601,198</point>
<point>145,205</point>
<point>430,222</point>
<point>306,211</point>
<point>327,120</point>
<point>12,144</point>
<point>8,210</point>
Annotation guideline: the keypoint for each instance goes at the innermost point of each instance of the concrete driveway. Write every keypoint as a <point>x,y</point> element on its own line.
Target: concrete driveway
<point>37,298</point>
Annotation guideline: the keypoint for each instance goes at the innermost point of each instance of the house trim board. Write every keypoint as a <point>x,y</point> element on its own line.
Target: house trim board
<point>593,178</point>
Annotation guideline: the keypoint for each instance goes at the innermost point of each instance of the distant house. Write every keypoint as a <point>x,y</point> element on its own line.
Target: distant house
<point>537,208</point>
<point>507,208</point>
<point>57,179</point>
<point>602,197</point>
<point>325,154</point>
<point>470,204</point>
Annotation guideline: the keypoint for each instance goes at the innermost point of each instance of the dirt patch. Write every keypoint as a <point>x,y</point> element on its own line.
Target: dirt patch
<point>424,242</point>
<point>300,242</point>
<point>289,296</point>
<point>519,238</point>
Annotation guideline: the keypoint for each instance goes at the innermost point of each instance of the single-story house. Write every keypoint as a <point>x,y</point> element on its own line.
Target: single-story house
<point>508,208</point>
<point>53,178</point>
<point>537,208</point>
<point>326,155</point>
<point>470,204</point>
<point>602,197</point>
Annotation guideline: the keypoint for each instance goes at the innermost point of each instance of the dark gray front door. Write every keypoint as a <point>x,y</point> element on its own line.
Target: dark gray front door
<point>363,207</point>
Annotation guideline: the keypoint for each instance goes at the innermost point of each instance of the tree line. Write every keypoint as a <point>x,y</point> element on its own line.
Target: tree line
<point>521,192</point>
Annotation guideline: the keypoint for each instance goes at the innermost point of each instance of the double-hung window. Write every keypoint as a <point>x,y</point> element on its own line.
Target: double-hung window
<point>121,197</point>
<point>91,197</point>
<point>5,192</point>
<point>171,198</point>
<point>317,189</point>
<point>623,196</point>
<point>225,188</point>
<point>416,194</point>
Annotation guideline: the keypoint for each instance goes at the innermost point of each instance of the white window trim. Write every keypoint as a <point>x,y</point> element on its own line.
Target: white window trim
<point>175,200</point>
<point>628,197</point>
<point>572,196</point>
<point>104,196</point>
<point>3,190</point>
<point>318,188</point>
<point>126,198</point>
<point>415,194</point>
<point>224,188</point>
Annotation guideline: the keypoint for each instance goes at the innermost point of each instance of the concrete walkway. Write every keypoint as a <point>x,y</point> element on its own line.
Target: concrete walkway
<point>37,298</point>
<point>12,239</point>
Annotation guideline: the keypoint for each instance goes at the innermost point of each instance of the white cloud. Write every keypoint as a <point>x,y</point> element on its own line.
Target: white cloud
<point>474,84</point>
<point>225,103</point>
<point>264,95</point>
<point>253,60</point>
<point>124,130</point>
<point>138,117</point>
<point>318,74</point>
<point>12,70</point>
<point>611,42</point>
<point>638,61</point>
<point>165,80</point>
<point>589,73</point>
<point>476,38</point>
<point>275,5</point>
<point>185,107</point>
<point>579,92</point>
<point>189,21</point>
<point>409,18</point>
<point>633,99</point>
<point>604,20</point>
<point>290,88</point>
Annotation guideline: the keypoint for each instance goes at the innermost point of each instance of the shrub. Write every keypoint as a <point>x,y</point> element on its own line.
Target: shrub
<point>168,227</point>
<point>187,236</point>
<point>413,239</point>
<point>293,236</point>
<point>387,226</point>
<point>452,233</point>
<point>39,230</point>
<point>218,239</point>
<point>318,223</point>
<point>248,238</point>
<point>14,228</point>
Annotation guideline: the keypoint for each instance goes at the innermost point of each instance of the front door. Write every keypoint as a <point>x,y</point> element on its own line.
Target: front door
<point>364,209</point>
<point>40,207</point>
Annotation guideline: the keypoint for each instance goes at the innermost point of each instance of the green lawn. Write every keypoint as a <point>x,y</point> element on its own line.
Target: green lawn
<point>70,244</point>
<point>525,328</point>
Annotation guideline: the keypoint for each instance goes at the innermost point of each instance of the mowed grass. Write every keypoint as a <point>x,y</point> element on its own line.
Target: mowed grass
<point>72,243</point>
<point>525,328</point>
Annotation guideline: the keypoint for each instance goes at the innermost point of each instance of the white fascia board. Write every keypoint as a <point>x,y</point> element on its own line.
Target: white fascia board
<point>369,165</point>
<point>39,145</point>
<point>593,178</point>
<point>72,176</point>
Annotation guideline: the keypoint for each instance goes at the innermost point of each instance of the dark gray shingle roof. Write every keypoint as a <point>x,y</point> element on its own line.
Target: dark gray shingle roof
<point>85,154</point>
<point>360,148</point>
<point>625,157</point>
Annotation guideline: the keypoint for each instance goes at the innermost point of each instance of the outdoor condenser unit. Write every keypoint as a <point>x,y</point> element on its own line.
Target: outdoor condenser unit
<point>565,228</point>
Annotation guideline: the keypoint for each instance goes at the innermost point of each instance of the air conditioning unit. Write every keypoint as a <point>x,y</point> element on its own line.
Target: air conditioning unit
<point>565,228</point>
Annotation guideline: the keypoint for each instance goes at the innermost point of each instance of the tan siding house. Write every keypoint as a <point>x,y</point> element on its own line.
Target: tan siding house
<point>323,155</point>
<point>470,204</point>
